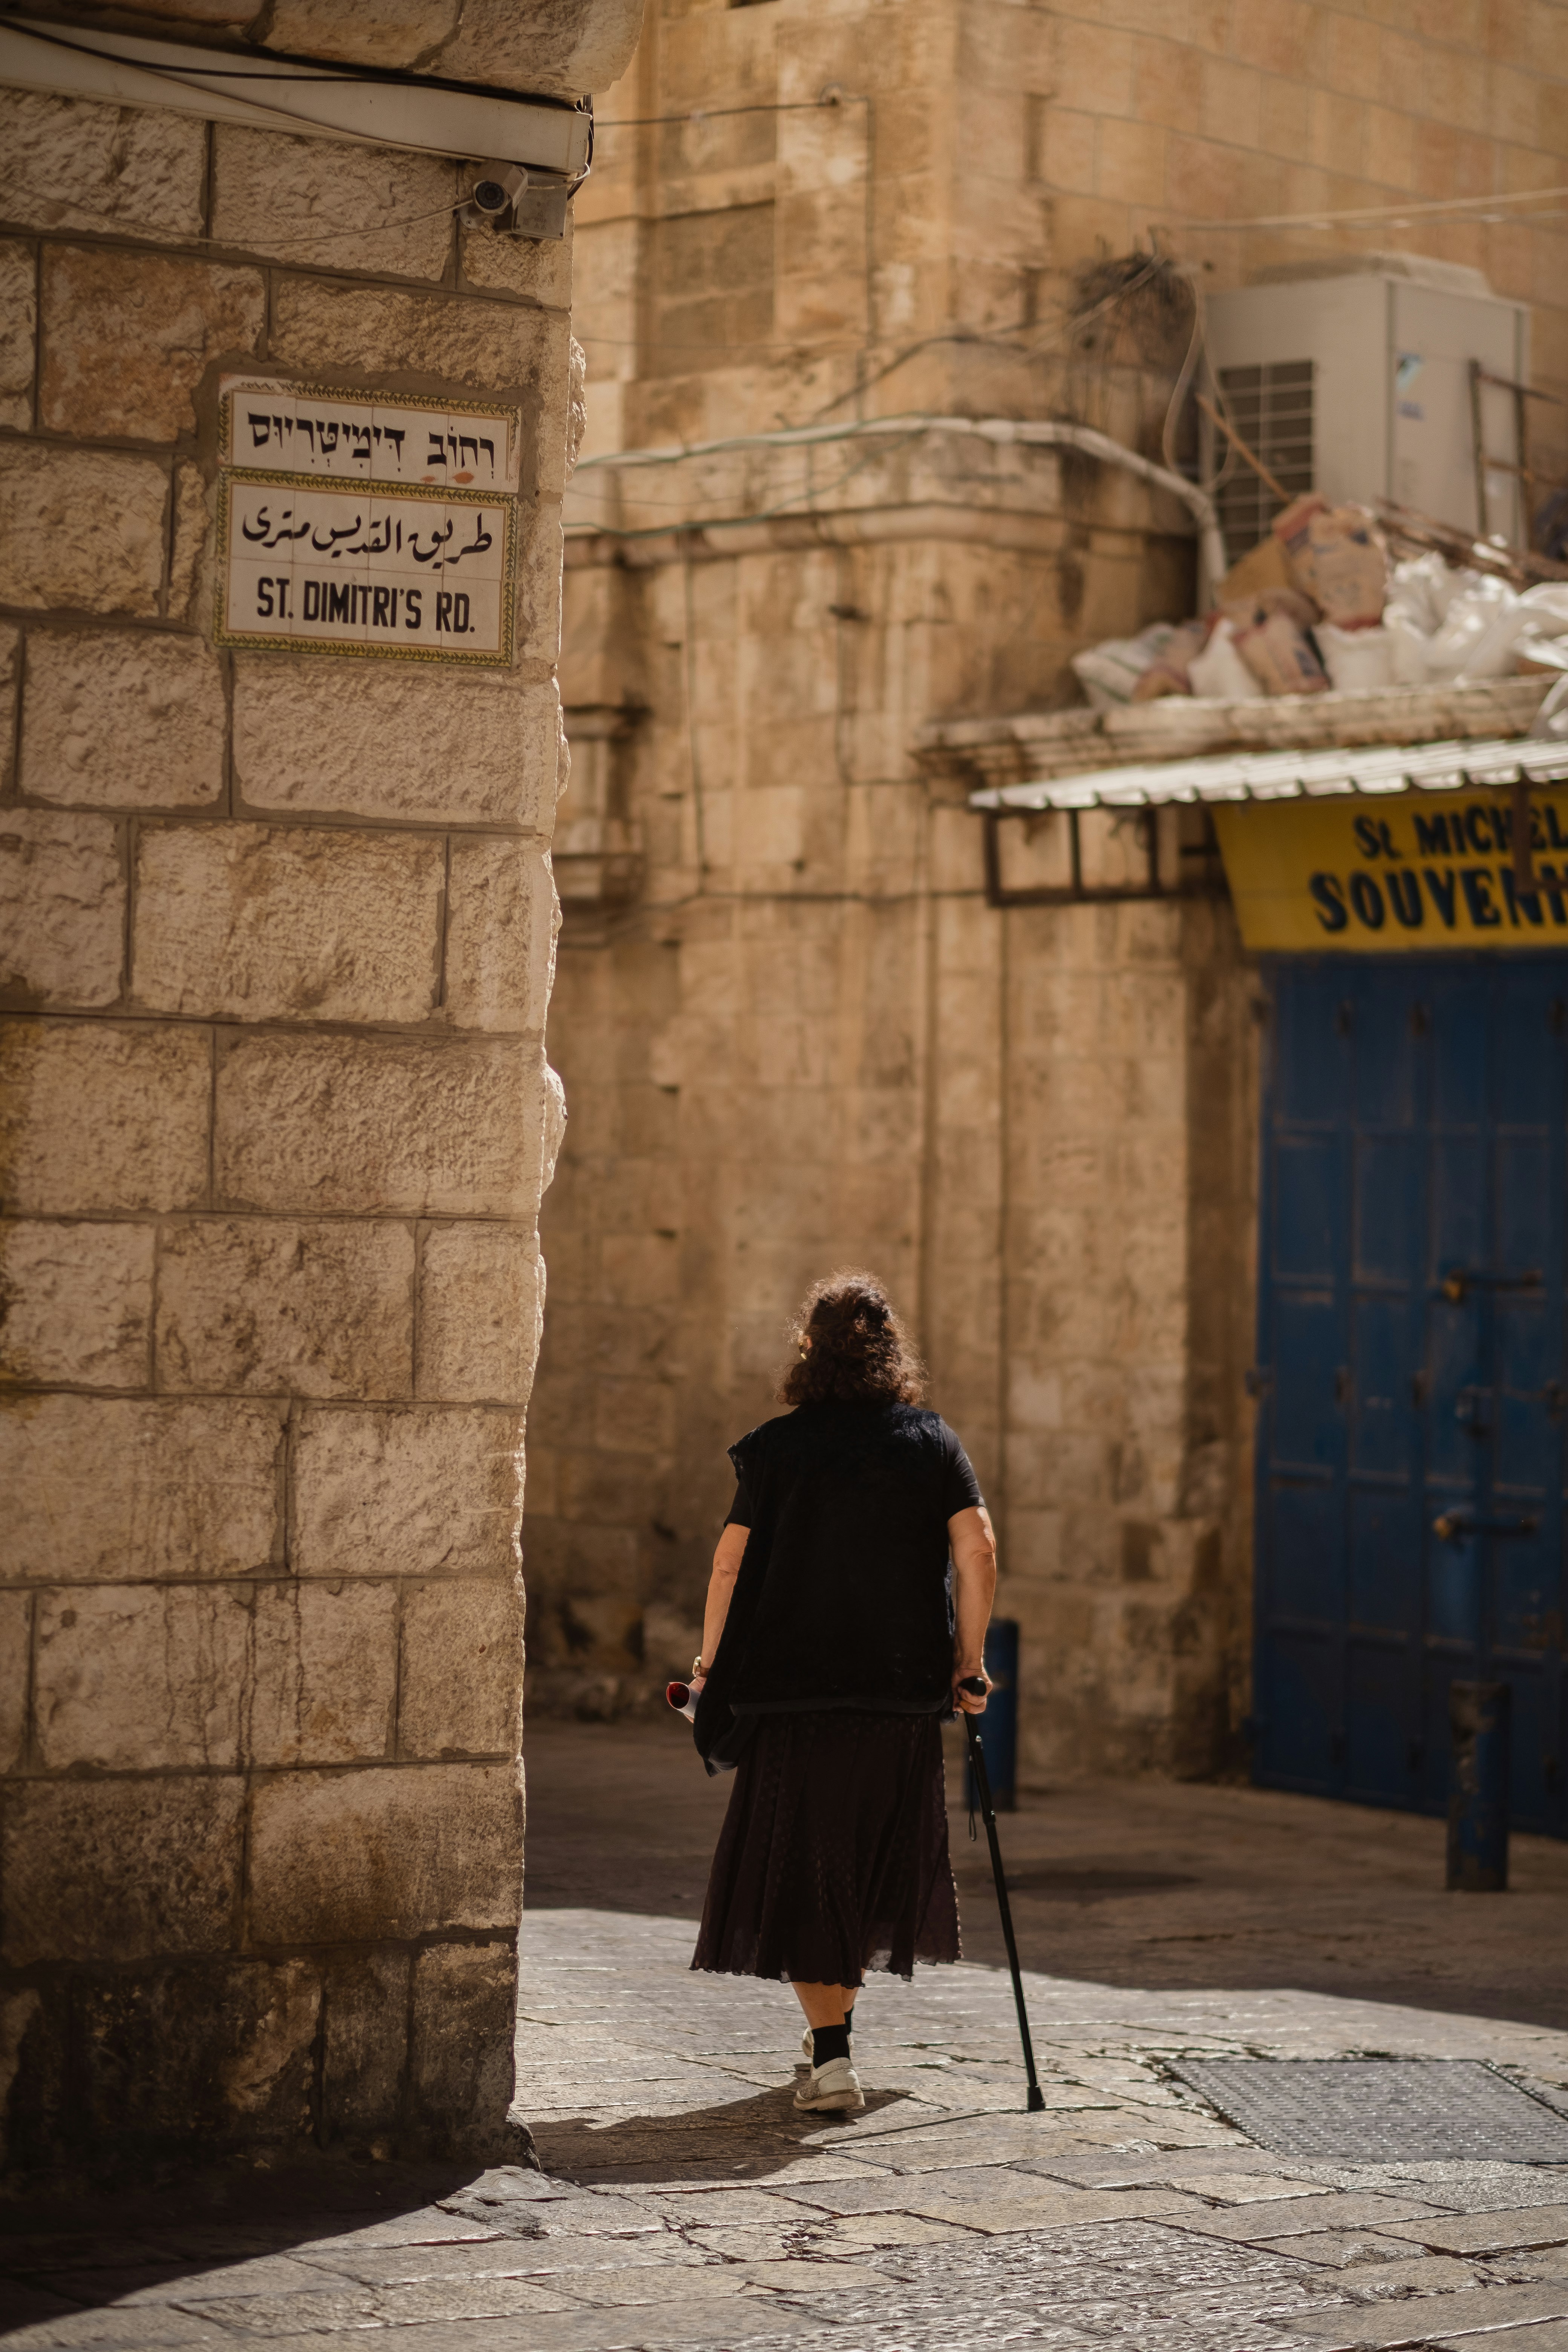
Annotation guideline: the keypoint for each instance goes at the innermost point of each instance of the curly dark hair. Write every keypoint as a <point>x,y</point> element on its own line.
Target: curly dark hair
<point>851,1348</point>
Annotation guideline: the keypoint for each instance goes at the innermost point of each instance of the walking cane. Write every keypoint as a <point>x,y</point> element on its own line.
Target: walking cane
<point>975,1686</point>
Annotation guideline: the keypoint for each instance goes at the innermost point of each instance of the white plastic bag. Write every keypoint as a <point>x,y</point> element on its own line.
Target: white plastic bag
<point>1551,720</point>
<point>1407,647</point>
<point>1541,612</point>
<point>1108,672</point>
<point>1435,618</point>
<point>1423,589</point>
<point>1467,627</point>
<point>1355,659</point>
<point>1219,673</point>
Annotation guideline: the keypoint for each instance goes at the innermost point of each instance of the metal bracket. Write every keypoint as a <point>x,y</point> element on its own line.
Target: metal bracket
<point>1079,893</point>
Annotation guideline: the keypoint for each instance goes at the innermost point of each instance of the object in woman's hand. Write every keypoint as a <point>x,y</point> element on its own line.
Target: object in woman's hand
<point>683,1697</point>
<point>975,1684</point>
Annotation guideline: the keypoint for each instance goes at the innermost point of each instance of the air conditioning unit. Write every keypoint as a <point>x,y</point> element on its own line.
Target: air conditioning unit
<point>1378,375</point>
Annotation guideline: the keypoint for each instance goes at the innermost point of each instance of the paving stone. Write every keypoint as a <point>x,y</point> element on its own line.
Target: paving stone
<point>1470,2313</point>
<point>592,2216</point>
<point>1337,2248</point>
<point>1550,2337</point>
<point>1551,2262</point>
<point>1455,2187</point>
<point>22,2306</point>
<point>873,2231</point>
<point>614,2290</point>
<point>731,2205</point>
<point>1323,2212</point>
<point>1474,2233</point>
<point>1426,2274</point>
<point>331,2309</point>
<point>1242,2188</point>
<point>433,2225</point>
<point>150,2330</point>
<point>690,2209</point>
<point>531,2258</point>
<point>154,2282</point>
<point>755,2241</point>
<point>996,2208</point>
<point>1137,2284</point>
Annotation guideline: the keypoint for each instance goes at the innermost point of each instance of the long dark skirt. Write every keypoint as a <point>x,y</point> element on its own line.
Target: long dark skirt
<point>833,1857</point>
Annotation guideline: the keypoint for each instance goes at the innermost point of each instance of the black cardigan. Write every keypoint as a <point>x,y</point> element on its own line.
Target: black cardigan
<point>844,1596</point>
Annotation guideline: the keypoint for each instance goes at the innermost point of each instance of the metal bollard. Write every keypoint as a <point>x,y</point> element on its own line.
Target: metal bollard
<point>1477,1794</point>
<point>998,1726</point>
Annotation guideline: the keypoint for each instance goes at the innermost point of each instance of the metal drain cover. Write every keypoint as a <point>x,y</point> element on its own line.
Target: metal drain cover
<point>1380,2110</point>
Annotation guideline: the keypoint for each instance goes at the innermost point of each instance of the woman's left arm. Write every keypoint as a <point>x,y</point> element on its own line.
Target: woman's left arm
<point>727,1560</point>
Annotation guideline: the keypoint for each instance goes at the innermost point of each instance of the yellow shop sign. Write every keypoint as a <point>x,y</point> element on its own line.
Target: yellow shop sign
<point>1422,871</point>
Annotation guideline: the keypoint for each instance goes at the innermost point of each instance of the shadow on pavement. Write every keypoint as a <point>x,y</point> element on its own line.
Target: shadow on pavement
<point>71,2250</point>
<point>1150,1886</point>
<point>740,2139</point>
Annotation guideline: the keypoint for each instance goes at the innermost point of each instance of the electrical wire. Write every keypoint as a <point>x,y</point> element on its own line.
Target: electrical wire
<point>716,113</point>
<point>729,521</point>
<point>341,236</point>
<point>1002,432</point>
<point>1395,215</point>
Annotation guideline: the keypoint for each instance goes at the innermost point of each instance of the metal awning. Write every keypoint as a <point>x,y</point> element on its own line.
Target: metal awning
<point>1288,775</point>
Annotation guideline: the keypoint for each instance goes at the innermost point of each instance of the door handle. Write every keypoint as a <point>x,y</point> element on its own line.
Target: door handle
<point>1453,1526</point>
<point>1455,1286</point>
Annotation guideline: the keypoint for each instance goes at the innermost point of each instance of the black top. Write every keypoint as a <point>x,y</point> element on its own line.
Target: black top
<point>842,1597</point>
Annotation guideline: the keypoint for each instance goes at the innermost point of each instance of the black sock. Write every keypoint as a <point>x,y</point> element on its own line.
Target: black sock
<point>828,2042</point>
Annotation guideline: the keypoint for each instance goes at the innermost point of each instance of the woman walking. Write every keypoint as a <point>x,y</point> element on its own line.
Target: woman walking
<point>834,1643</point>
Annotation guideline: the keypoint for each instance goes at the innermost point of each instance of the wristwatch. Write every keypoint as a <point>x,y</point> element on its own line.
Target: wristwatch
<point>697,1667</point>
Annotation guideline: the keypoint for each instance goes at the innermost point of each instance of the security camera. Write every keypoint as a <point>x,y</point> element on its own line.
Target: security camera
<point>497,189</point>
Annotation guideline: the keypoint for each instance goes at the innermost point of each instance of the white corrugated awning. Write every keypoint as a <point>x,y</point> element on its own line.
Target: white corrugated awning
<point>1290,775</point>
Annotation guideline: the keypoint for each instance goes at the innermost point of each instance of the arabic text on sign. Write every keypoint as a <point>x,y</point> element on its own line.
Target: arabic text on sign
<point>392,569</point>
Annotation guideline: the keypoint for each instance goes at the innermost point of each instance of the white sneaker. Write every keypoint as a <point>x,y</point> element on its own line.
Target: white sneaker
<point>836,2087</point>
<point>808,2052</point>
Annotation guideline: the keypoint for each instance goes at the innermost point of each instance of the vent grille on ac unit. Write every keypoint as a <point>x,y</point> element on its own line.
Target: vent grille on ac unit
<point>1272,408</point>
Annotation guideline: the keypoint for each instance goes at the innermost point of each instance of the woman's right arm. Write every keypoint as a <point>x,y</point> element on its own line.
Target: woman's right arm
<point>720,1589</point>
<point>973,1548</point>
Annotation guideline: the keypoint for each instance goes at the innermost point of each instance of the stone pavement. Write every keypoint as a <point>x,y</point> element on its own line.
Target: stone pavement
<point>685,2204</point>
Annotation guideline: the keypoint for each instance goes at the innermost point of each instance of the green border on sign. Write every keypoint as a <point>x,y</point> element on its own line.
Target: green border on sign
<point>431,495</point>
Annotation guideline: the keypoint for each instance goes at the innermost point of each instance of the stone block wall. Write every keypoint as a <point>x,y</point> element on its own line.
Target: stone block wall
<point>925,245</point>
<point>275,1121</point>
<point>799,1036</point>
<point>809,1042</point>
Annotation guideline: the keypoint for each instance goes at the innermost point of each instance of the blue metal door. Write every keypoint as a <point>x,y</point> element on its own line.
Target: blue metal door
<point>1412,1373</point>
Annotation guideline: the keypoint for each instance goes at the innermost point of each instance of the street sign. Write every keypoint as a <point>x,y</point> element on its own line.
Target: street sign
<point>415,574</point>
<point>361,525</point>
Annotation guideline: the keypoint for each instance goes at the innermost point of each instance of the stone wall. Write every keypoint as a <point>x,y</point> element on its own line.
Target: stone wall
<point>793,1033</point>
<point>276,1123</point>
<point>811,1042</point>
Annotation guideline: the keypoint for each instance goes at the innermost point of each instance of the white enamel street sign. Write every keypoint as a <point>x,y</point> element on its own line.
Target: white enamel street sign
<point>421,574</point>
